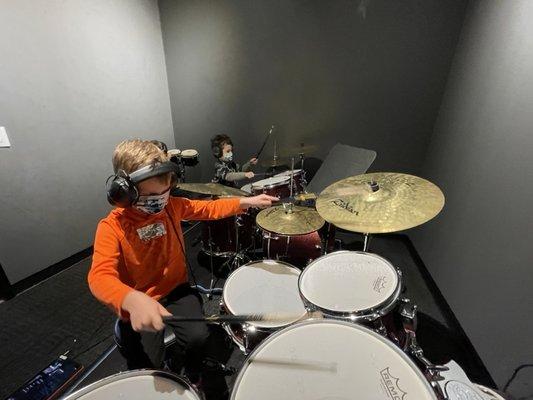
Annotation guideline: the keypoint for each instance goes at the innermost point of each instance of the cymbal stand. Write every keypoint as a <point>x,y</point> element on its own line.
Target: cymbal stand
<point>292,177</point>
<point>303,182</point>
<point>237,259</point>
<point>211,265</point>
<point>366,241</point>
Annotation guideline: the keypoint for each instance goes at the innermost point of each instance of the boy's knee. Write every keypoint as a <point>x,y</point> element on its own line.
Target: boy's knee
<point>197,335</point>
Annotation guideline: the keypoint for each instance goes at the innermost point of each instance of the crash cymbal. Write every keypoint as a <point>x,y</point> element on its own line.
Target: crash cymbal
<point>289,219</point>
<point>380,202</point>
<point>214,189</point>
<point>298,149</point>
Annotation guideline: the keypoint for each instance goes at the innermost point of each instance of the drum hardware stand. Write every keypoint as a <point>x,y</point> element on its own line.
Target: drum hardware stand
<point>366,241</point>
<point>408,311</point>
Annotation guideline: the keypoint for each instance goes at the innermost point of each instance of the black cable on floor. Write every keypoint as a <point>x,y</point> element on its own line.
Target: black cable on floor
<point>516,371</point>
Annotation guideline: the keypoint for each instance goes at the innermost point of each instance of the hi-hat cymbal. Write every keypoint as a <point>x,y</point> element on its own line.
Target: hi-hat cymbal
<point>274,163</point>
<point>289,220</point>
<point>380,202</point>
<point>214,189</point>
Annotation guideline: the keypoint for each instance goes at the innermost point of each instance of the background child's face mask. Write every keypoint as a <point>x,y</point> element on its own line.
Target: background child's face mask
<point>152,204</point>
<point>227,156</point>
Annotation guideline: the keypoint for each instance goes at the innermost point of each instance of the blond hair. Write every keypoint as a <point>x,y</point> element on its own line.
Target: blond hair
<point>131,155</point>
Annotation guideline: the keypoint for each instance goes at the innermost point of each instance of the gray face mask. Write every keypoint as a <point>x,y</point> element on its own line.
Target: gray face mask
<point>228,156</point>
<point>152,204</point>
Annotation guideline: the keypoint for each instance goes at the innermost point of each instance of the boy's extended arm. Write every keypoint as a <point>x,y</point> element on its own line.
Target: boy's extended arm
<point>206,209</point>
<point>103,277</point>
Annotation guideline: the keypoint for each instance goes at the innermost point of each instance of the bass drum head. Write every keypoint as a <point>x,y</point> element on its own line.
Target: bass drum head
<point>348,281</point>
<point>329,360</point>
<point>263,287</point>
<point>137,385</point>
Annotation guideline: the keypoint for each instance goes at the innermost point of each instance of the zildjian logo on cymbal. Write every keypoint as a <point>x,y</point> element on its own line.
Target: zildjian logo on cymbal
<point>344,204</point>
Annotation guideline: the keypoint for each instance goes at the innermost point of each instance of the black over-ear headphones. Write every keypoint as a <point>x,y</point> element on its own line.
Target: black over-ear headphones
<point>217,152</point>
<point>122,188</point>
<point>216,142</point>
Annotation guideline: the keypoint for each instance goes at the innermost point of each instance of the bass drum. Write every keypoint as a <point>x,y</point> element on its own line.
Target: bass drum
<point>138,385</point>
<point>330,360</point>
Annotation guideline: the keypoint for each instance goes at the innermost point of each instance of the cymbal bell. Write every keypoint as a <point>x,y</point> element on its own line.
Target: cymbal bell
<point>289,220</point>
<point>380,202</point>
<point>213,189</point>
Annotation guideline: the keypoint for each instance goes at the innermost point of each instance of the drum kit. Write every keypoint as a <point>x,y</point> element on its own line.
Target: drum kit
<point>363,342</point>
<point>348,331</point>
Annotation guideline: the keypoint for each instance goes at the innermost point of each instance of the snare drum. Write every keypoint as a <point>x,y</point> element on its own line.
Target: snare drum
<point>277,186</point>
<point>138,385</point>
<point>219,236</point>
<point>260,287</point>
<point>333,360</point>
<point>190,157</point>
<point>299,182</point>
<point>355,286</point>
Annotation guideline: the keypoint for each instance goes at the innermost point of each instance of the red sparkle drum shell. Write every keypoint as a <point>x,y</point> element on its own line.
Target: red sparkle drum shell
<point>275,186</point>
<point>298,176</point>
<point>219,237</point>
<point>299,250</point>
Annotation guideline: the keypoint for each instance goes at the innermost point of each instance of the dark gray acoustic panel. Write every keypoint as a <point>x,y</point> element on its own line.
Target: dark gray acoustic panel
<point>341,162</point>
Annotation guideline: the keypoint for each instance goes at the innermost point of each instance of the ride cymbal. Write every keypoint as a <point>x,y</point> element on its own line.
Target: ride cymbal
<point>380,202</point>
<point>214,189</point>
<point>289,220</point>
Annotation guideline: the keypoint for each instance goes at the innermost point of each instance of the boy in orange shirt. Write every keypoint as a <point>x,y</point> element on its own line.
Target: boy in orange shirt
<point>138,267</point>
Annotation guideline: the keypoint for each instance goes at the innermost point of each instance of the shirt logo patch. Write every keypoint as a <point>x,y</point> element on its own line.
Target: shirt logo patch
<point>152,231</point>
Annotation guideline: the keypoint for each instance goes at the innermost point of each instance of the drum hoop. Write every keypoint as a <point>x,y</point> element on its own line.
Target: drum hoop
<point>382,339</point>
<point>129,374</point>
<point>296,172</point>
<point>224,301</point>
<point>368,314</point>
<point>271,186</point>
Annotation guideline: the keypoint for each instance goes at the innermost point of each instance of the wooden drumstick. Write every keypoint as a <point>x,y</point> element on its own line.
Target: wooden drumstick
<point>268,317</point>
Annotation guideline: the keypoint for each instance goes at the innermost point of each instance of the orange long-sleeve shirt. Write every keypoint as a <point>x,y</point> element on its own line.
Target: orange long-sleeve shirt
<point>137,251</point>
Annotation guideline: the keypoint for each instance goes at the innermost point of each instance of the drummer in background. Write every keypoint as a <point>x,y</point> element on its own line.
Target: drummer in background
<point>227,171</point>
<point>139,266</point>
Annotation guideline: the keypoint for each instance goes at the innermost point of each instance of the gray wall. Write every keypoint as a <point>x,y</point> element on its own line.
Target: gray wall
<point>76,77</point>
<point>322,71</point>
<point>479,249</point>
